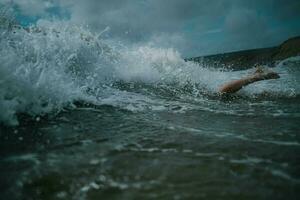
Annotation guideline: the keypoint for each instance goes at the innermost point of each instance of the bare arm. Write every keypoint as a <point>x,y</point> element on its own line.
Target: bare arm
<point>236,85</point>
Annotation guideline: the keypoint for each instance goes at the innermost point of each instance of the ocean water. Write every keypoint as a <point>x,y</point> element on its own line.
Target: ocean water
<point>86,117</point>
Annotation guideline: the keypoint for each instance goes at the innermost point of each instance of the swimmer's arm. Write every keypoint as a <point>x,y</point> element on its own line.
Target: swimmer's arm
<point>236,85</point>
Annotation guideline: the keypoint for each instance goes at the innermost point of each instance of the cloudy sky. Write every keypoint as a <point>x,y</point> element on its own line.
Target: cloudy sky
<point>193,27</point>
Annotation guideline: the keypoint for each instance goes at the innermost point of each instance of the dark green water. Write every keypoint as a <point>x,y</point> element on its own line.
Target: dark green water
<point>104,152</point>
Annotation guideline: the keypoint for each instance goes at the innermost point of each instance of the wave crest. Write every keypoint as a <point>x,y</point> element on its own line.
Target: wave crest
<point>47,67</point>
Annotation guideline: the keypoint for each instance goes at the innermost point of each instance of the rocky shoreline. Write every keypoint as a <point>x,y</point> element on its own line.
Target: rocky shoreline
<point>248,58</point>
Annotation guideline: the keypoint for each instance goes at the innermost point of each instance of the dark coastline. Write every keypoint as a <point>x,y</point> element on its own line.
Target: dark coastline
<point>248,58</point>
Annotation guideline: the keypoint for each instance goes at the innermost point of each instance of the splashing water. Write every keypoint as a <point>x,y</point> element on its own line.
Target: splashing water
<point>48,67</point>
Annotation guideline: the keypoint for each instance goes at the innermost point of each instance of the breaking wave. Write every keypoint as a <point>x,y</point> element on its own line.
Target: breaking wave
<point>49,66</point>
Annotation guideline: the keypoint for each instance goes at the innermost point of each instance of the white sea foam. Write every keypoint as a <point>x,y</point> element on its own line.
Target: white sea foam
<point>49,66</point>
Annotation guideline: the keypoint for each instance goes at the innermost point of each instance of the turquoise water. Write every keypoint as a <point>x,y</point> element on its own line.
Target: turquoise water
<point>86,118</point>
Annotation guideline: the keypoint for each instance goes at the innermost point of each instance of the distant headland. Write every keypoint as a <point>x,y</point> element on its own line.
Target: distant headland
<point>248,58</point>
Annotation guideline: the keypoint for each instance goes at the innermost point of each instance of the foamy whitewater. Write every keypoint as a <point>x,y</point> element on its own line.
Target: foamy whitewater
<point>47,67</point>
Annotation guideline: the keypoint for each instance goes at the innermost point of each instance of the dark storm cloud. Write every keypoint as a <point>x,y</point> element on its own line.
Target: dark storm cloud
<point>256,24</point>
<point>279,9</point>
<point>193,27</point>
<point>144,16</point>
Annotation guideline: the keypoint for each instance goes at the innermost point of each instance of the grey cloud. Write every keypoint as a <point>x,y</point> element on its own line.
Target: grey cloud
<point>247,27</point>
<point>244,23</point>
<point>187,25</point>
<point>140,20</point>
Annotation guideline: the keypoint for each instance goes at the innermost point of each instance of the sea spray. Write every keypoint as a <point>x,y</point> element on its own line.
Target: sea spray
<point>35,72</point>
<point>48,66</point>
<point>52,64</point>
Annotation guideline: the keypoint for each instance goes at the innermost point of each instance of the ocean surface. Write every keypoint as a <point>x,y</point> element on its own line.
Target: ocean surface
<point>87,117</point>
